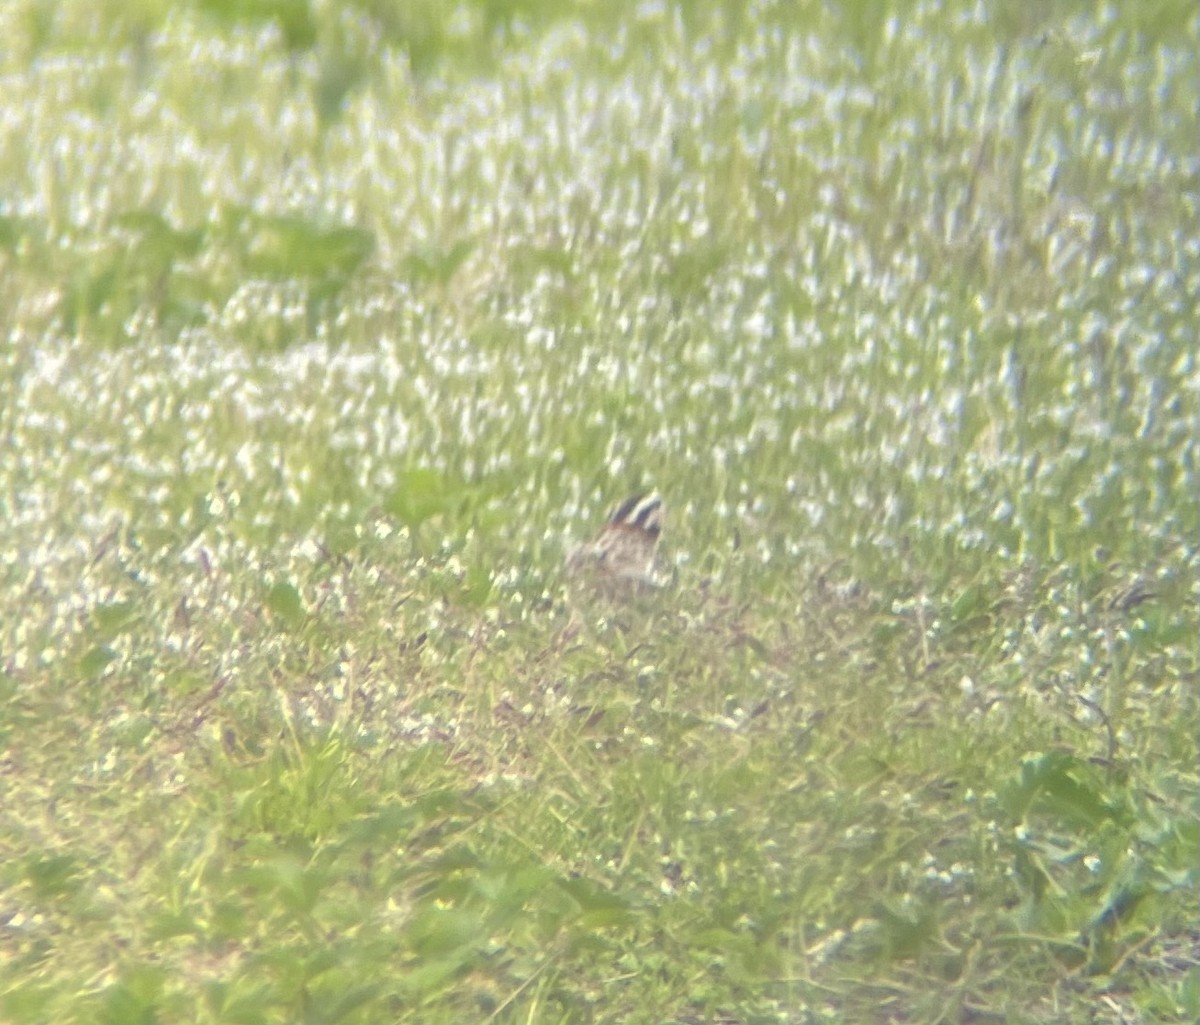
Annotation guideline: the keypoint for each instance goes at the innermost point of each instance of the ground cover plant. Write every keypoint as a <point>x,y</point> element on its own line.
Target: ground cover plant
<point>330,328</point>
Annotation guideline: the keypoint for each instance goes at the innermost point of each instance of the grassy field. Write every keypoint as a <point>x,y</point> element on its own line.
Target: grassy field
<point>330,327</point>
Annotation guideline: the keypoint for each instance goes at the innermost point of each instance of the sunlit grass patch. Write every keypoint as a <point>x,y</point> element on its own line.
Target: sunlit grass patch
<point>330,332</point>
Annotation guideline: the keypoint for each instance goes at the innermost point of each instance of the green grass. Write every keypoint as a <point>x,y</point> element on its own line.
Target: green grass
<point>328,328</point>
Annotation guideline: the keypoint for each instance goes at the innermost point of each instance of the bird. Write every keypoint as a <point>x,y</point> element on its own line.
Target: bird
<point>624,552</point>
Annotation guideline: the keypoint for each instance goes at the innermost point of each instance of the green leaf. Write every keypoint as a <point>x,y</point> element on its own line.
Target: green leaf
<point>419,495</point>
<point>158,243</point>
<point>53,875</point>
<point>432,975</point>
<point>284,601</point>
<point>27,1001</point>
<point>342,1002</point>
<point>96,660</point>
<point>12,231</point>
<point>133,1000</point>
<point>1063,787</point>
<point>295,18</point>
<point>111,618</point>
<point>966,604</point>
<point>284,247</point>
<point>592,897</point>
<point>437,266</point>
<point>436,931</point>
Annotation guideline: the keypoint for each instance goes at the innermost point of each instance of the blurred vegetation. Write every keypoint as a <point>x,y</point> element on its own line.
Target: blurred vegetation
<point>329,327</point>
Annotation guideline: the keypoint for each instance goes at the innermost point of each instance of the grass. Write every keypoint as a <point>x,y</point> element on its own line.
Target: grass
<point>328,327</point>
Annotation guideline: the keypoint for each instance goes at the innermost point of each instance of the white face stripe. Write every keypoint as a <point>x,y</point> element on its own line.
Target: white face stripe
<point>641,512</point>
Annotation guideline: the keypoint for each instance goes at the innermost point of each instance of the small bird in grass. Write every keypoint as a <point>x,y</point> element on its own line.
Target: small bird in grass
<point>625,551</point>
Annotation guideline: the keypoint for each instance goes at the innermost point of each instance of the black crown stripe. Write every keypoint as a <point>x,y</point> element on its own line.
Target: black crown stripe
<point>641,511</point>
